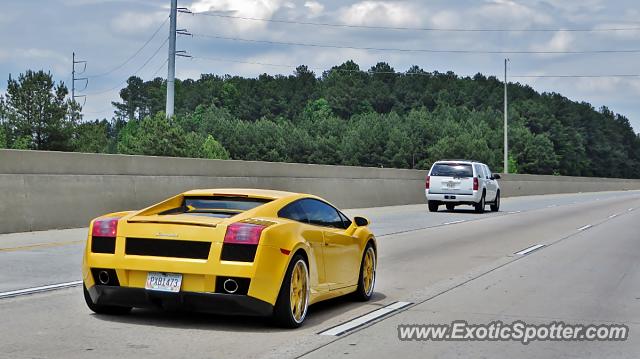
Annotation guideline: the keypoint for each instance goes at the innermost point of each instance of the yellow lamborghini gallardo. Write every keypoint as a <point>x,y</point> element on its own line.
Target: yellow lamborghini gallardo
<point>230,251</point>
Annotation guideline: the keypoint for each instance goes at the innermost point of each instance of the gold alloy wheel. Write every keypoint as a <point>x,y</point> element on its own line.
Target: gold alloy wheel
<point>299,291</point>
<point>369,271</point>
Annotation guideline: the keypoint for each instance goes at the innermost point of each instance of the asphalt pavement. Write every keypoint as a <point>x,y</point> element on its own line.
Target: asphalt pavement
<point>450,265</point>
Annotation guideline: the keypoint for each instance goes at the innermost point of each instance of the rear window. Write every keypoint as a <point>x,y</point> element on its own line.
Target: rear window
<point>216,206</point>
<point>452,170</point>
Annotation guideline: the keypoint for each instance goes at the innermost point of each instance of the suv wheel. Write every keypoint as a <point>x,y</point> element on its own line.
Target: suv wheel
<point>480,205</point>
<point>495,206</point>
<point>433,206</point>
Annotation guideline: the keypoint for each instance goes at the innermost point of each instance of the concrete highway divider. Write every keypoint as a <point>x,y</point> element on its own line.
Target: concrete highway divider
<point>42,190</point>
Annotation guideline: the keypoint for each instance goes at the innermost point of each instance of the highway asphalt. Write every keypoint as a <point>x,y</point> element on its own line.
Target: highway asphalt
<point>451,266</point>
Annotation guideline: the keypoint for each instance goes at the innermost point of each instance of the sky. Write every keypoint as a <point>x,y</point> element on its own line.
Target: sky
<point>115,38</point>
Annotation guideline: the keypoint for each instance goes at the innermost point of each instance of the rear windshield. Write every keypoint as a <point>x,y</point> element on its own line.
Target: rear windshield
<point>452,170</point>
<point>216,206</point>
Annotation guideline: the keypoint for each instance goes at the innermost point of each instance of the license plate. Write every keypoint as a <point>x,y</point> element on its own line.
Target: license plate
<point>451,185</point>
<point>164,282</point>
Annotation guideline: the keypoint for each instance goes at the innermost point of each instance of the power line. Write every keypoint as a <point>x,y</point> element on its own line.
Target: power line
<point>110,108</point>
<point>326,24</point>
<point>458,51</point>
<point>134,54</point>
<point>159,68</point>
<point>402,73</point>
<point>134,73</point>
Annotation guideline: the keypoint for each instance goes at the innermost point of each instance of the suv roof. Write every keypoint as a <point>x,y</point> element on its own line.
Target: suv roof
<point>459,160</point>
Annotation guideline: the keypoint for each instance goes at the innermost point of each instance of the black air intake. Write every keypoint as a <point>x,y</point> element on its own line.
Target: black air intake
<point>167,248</point>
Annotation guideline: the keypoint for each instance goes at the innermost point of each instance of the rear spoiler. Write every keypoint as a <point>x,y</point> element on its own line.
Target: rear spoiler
<point>173,221</point>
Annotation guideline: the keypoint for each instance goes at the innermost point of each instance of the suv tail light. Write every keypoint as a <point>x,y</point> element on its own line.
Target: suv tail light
<point>243,233</point>
<point>105,227</point>
<point>427,182</point>
<point>475,183</point>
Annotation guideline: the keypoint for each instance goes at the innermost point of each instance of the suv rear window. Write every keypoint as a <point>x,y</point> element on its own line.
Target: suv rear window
<point>452,170</point>
<point>216,206</point>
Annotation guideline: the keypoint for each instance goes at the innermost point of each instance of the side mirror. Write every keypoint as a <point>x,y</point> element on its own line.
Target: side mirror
<point>495,176</point>
<point>361,221</point>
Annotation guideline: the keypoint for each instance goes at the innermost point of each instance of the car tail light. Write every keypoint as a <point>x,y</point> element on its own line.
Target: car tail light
<point>105,227</point>
<point>475,183</point>
<point>243,233</point>
<point>427,182</point>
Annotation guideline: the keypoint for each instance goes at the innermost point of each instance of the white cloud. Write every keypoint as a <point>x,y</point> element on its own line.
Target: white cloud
<point>262,9</point>
<point>496,12</point>
<point>314,7</point>
<point>137,22</point>
<point>560,41</point>
<point>446,19</point>
<point>381,13</point>
<point>249,8</point>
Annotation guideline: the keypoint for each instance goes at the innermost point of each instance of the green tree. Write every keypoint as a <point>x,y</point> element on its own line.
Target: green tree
<point>378,117</point>
<point>533,153</point>
<point>381,94</point>
<point>3,138</point>
<point>345,89</point>
<point>92,137</point>
<point>213,149</point>
<point>154,136</point>
<point>21,143</point>
<point>135,98</point>
<point>512,163</point>
<point>38,114</point>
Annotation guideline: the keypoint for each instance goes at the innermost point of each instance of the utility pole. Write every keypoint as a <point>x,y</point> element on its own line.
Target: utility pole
<point>73,75</point>
<point>506,143</point>
<point>171,71</point>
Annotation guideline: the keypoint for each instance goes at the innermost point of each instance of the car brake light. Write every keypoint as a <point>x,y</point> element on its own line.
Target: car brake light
<point>475,183</point>
<point>243,233</point>
<point>427,182</point>
<point>105,227</point>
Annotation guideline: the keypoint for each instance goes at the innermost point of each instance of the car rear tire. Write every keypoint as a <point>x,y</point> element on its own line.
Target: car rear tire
<point>293,300</point>
<point>367,277</point>
<point>451,207</point>
<point>103,309</point>
<point>495,206</point>
<point>433,206</point>
<point>480,205</point>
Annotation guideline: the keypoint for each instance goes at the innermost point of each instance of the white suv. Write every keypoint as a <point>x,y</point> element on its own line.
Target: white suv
<point>456,182</point>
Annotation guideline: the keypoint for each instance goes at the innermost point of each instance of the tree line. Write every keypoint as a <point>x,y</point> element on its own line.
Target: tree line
<point>345,115</point>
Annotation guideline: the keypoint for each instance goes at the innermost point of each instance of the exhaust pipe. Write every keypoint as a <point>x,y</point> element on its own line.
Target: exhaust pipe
<point>103,277</point>
<point>230,286</point>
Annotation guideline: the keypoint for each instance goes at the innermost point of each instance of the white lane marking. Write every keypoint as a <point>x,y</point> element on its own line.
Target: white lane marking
<point>585,227</point>
<point>454,222</point>
<point>362,320</point>
<point>44,288</point>
<point>613,215</point>
<point>530,249</point>
<point>630,209</point>
<point>514,212</point>
<point>552,205</point>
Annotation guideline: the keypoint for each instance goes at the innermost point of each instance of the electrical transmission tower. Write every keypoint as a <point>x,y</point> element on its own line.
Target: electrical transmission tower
<point>171,63</point>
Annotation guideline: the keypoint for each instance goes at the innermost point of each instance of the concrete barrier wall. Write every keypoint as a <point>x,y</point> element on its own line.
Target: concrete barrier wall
<point>45,190</point>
